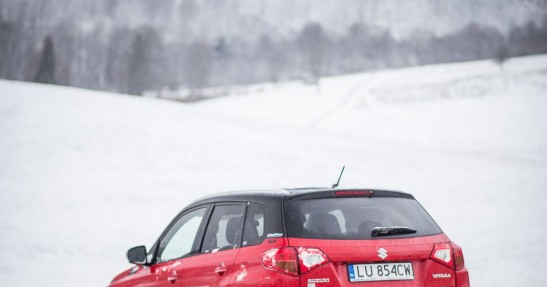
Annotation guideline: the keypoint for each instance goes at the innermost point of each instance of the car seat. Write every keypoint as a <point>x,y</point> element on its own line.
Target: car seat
<point>232,226</point>
<point>323,223</point>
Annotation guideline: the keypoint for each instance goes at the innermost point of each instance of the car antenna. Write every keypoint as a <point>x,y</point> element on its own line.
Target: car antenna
<point>338,182</point>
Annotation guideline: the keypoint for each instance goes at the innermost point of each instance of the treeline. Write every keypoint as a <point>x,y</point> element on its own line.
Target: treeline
<point>135,60</point>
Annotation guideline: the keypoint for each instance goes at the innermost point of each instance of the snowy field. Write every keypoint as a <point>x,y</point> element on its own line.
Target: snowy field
<point>86,175</point>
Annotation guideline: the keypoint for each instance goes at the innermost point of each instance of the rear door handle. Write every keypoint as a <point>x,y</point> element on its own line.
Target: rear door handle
<point>220,270</point>
<point>172,278</point>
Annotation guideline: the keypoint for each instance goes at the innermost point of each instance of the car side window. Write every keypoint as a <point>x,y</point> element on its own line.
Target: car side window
<point>253,230</point>
<point>223,231</point>
<point>180,238</point>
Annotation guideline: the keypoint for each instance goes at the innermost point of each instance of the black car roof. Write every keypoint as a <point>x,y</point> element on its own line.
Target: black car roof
<point>291,193</point>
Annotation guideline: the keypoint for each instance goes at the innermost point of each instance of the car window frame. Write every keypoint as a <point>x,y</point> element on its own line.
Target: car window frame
<point>238,239</point>
<point>197,239</point>
<point>264,210</point>
<point>435,229</point>
<point>196,247</point>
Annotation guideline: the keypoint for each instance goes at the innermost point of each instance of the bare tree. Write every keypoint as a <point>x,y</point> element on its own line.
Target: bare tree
<point>46,70</point>
<point>143,61</point>
<point>501,55</point>
<point>312,43</point>
<point>270,55</point>
<point>117,66</point>
<point>197,65</point>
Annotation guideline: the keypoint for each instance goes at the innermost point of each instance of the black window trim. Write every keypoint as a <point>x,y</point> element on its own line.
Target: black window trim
<point>242,227</point>
<point>203,228</point>
<point>197,239</point>
<point>198,242</point>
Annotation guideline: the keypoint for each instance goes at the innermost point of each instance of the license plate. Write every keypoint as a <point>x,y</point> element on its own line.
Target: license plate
<point>380,272</point>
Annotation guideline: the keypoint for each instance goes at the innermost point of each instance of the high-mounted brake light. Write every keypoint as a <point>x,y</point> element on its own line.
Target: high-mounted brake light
<point>289,260</point>
<point>354,193</point>
<point>449,254</point>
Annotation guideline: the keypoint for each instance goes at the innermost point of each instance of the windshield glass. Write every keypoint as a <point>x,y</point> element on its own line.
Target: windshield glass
<point>355,218</point>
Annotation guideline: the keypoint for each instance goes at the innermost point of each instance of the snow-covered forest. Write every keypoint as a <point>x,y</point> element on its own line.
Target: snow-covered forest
<point>135,46</point>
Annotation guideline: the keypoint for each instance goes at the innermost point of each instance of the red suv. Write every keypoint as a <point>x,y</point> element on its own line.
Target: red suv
<point>309,237</point>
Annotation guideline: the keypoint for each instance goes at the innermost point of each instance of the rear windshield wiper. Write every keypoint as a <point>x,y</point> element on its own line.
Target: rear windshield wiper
<point>391,230</point>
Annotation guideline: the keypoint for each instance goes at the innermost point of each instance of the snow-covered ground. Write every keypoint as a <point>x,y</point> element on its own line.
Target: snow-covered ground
<point>85,175</point>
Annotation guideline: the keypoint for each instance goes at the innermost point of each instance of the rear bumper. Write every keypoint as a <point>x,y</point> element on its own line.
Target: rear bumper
<point>462,278</point>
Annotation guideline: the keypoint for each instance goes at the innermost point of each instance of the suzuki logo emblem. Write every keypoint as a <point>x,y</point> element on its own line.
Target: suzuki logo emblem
<point>382,253</point>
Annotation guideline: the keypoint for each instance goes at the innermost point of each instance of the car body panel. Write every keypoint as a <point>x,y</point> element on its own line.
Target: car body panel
<point>243,266</point>
<point>250,272</point>
<point>416,250</point>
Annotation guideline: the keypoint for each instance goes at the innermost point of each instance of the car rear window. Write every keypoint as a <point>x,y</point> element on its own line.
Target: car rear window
<point>356,217</point>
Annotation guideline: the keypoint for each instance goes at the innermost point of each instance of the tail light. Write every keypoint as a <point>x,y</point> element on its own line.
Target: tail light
<point>449,254</point>
<point>289,260</point>
<point>282,259</point>
<point>458,256</point>
<point>311,258</point>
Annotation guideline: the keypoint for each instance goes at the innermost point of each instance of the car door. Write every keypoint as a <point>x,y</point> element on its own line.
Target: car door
<point>176,248</point>
<point>219,247</point>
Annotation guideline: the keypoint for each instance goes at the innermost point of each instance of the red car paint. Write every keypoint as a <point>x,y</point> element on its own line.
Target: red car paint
<point>281,260</point>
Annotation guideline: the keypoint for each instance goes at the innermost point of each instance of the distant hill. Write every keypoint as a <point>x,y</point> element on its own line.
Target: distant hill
<point>138,45</point>
<point>209,20</point>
